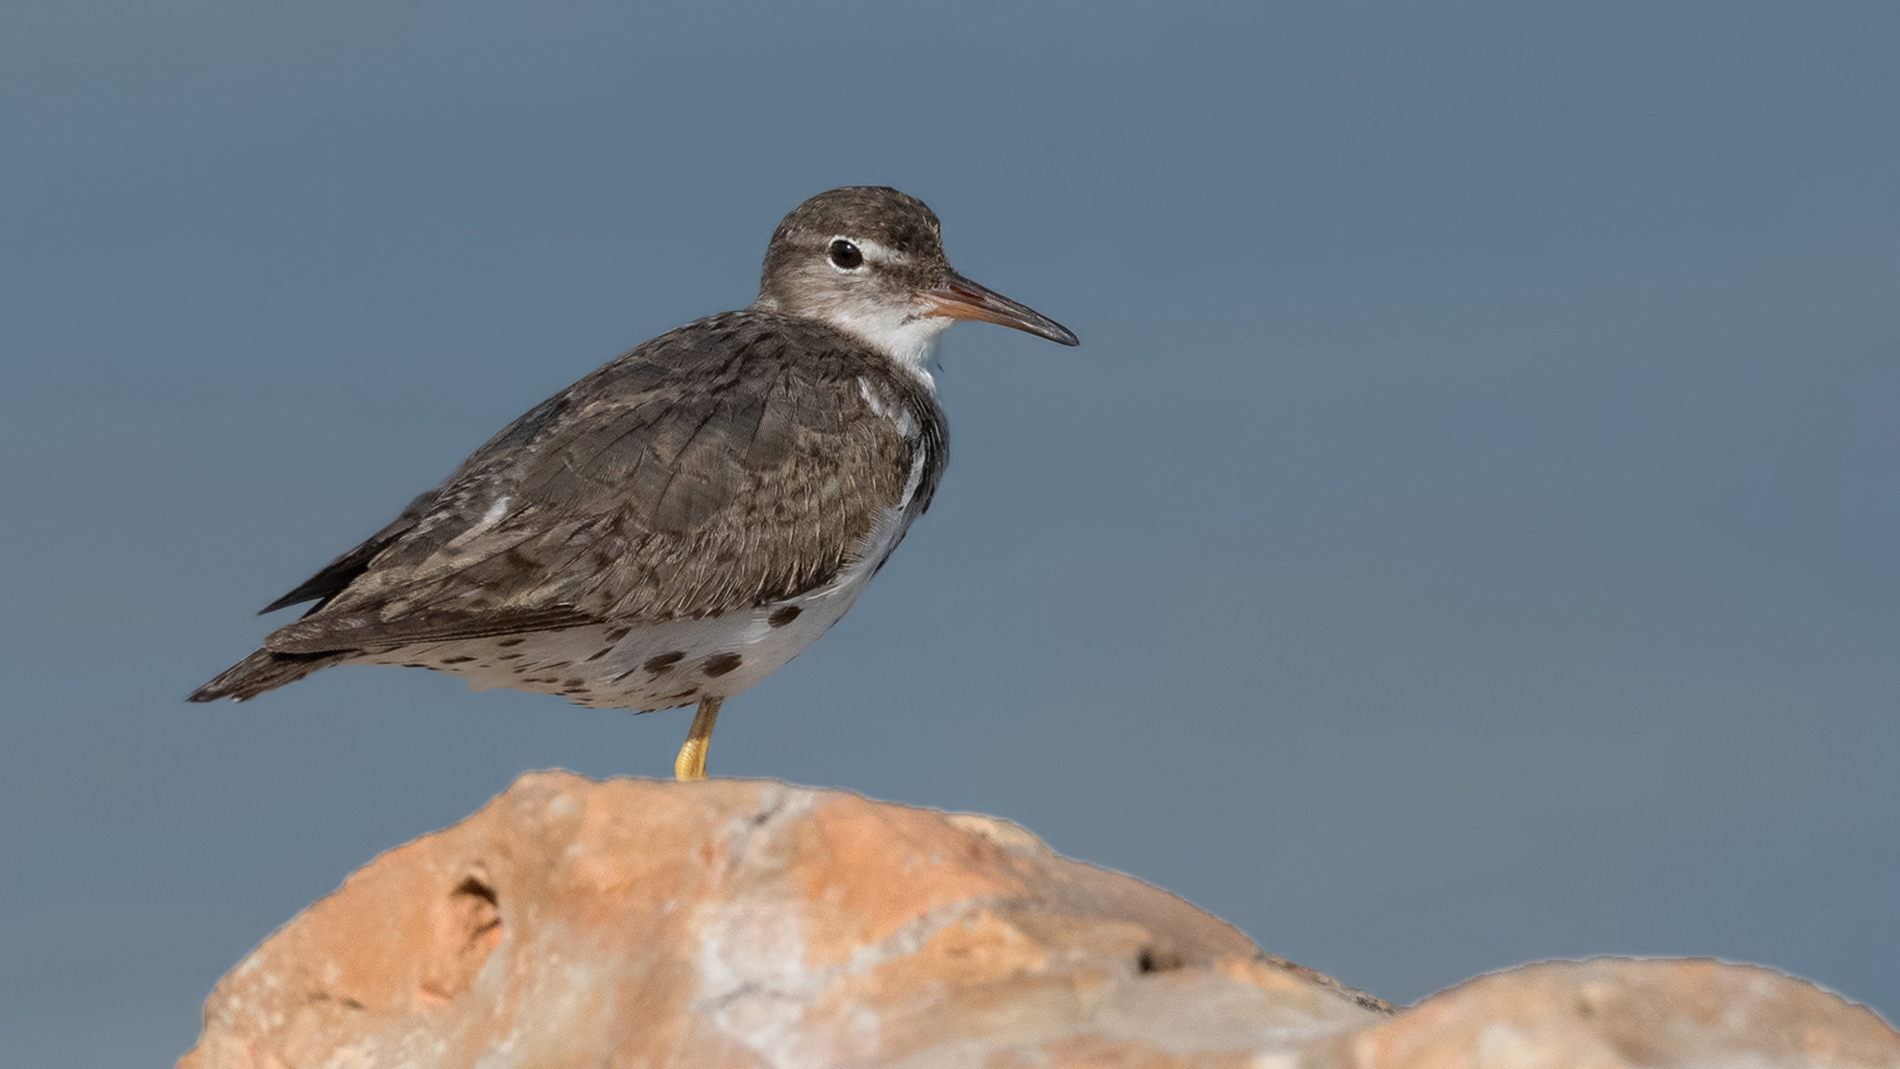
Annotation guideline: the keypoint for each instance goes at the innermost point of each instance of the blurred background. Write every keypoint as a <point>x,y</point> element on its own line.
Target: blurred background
<point>1465,535</point>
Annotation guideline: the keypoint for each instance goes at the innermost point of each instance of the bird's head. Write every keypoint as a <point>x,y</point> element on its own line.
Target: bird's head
<point>869,260</point>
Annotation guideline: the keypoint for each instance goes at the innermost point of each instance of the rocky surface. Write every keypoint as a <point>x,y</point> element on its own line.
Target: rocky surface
<point>1614,1012</point>
<point>748,923</point>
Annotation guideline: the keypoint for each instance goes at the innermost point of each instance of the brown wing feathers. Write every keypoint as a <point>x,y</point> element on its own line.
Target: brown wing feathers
<point>704,472</point>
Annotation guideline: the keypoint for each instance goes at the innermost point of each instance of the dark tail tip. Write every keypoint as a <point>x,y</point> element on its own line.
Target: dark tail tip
<point>263,671</point>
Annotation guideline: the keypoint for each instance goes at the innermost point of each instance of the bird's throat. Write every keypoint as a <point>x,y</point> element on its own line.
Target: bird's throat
<point>910,340</point>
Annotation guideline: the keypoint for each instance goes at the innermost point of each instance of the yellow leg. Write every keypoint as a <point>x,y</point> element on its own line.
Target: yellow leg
<point>691,763</point>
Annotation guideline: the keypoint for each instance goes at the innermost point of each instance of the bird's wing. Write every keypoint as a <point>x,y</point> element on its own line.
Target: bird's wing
<point>719,467</point>
<point>341,572</point>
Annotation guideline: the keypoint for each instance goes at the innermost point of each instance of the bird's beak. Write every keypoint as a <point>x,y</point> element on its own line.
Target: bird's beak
<point>959,298</point>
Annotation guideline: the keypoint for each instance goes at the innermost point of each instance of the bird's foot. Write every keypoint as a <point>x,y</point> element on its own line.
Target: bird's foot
<point>691,763</point>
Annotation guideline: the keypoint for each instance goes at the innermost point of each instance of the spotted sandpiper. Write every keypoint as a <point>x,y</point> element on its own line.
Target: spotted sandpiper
<point>690,516</point>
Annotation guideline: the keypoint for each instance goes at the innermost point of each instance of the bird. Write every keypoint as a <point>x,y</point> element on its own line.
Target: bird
<point>691,515</point>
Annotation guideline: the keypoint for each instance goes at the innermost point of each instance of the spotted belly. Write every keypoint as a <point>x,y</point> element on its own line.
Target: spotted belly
<point>638,666</point>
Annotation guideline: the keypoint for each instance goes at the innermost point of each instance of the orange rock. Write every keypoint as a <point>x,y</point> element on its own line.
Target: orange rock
<point>747,923</point>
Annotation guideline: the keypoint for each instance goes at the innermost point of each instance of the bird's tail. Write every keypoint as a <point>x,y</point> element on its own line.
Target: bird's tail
<point>263,671</point>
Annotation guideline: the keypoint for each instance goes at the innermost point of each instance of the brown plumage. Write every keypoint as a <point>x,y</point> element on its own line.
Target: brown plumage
<point>730,464</point>
<point>725,488</point>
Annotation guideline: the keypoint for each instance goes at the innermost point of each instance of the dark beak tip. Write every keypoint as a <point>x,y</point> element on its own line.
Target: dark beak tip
<point>1044,327</point>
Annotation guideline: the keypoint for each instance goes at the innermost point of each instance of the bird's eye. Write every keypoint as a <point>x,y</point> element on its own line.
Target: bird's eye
<point>845,256</point>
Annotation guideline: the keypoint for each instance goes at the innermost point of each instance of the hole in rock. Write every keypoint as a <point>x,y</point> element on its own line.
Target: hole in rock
<point>1156,959</point>
<point>465,932</point>
<point>473,886</point>
<point>478,912</point>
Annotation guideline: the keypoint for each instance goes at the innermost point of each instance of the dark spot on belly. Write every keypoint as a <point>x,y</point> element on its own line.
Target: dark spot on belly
<point>574,684</point>
<point>615,634</point>
<point>720,664</point>
<point>414,664</point>
<point>506,642</point>
<point>456,660</point>
<point>508,656</point>
<point>664,661</point>
<point>604,651</point>
<point>681,696</point>
<point>783,615</point>
<point>542,679</point>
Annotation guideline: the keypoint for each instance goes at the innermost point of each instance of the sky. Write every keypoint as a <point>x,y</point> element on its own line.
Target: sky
<point>1465,535</point>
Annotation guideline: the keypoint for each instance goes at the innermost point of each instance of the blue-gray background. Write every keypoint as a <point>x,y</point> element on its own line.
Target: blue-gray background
<point>1466,534</point>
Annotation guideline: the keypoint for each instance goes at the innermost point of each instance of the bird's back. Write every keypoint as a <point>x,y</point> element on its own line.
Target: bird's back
<point>671,502</point>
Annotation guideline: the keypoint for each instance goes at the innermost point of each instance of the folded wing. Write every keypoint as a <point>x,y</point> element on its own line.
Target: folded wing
<point>704,472</point>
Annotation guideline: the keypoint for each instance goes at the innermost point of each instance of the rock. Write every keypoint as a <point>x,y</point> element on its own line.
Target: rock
<point>1610,1013</point>
<point>738,923</point>
<point>748,923</point>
